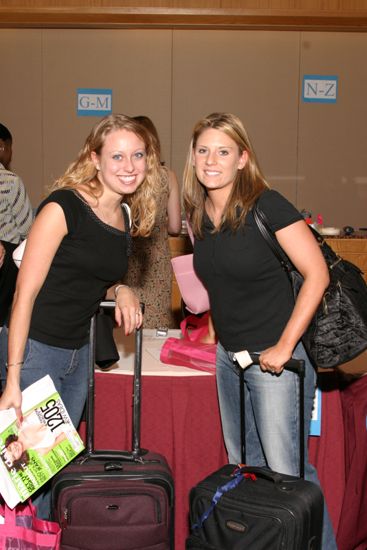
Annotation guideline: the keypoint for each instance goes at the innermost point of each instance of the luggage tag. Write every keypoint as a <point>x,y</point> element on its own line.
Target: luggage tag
<point>243,358</point>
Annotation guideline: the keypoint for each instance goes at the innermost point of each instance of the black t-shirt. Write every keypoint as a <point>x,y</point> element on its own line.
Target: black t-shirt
<point>90,259</point>
<point>250,294</point>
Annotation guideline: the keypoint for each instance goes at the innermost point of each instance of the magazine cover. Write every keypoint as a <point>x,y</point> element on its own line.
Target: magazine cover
<point>35,450</point>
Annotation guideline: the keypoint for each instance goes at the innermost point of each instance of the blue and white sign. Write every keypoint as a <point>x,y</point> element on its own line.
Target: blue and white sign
<point>320,89</point>
<point>94,102</point>
<point>315,427</point>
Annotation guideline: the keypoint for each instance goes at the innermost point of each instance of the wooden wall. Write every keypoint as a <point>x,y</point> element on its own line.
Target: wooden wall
<point>276,14</point>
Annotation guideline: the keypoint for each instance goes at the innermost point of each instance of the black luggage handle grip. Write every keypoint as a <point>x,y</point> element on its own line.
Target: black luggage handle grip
<point>295,365</point>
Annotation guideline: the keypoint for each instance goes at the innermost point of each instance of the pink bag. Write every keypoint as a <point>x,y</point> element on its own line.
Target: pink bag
<point>188,351</point>
<point>23,530</point>
<point>193,292</point>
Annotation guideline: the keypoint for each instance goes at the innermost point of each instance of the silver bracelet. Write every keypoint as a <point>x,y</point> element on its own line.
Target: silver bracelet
<point>15,364</point>
<point>117,288</point>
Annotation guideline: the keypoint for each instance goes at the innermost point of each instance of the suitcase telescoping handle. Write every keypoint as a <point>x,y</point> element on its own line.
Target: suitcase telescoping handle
<point>136,451</point>
<point>294,365</point>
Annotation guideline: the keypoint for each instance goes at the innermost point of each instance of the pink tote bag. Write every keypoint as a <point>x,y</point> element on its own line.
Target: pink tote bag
<point>192,290</point>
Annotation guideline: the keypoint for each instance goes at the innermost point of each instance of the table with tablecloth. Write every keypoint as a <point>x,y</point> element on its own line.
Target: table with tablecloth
<point>180,419</point>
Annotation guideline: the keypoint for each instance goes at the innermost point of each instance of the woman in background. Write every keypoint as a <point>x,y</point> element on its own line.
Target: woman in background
<point>251,300</point>
<point>150,271</point>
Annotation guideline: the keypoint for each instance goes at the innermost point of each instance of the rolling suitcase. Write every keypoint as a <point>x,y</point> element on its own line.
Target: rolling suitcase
<point>253,508</point>
<point>112,500</point>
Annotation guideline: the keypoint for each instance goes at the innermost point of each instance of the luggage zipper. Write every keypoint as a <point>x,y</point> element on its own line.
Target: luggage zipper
<point>66,512</point>
<point>64,519</point>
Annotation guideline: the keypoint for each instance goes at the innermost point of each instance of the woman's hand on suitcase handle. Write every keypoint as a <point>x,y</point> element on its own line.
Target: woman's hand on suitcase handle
<point>273,359</point>
<point>128,310</point>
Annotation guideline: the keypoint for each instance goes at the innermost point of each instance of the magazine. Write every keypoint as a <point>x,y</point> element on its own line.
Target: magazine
<point>34,451</point>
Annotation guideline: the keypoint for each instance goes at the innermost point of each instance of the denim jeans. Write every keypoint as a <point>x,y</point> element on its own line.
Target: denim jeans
<point>271,410</point>
<point>68,369</point>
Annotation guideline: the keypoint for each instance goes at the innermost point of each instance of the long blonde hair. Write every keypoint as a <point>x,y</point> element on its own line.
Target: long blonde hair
<point>82,172</point>
<point>248,185</point>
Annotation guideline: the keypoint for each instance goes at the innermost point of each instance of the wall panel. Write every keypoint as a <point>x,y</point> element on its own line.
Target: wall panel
<point>44,70</point>
<point>253,74</point>
<point>21,102</point>
<point>136,66</point>
<point>333,137</point>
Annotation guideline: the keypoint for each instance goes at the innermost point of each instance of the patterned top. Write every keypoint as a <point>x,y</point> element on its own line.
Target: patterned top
<point>150,272</point>
<point>16,214</point>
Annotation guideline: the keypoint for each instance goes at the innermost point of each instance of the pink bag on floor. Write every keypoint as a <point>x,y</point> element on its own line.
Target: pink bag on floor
<point>188,351</point>
<point>24,531</point>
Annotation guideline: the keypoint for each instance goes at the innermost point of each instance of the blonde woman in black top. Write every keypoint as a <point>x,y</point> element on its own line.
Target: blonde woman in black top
<point>250,296</point>
<point>75,256</point>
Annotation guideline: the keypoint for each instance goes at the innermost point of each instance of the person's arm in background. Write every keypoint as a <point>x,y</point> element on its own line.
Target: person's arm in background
<point>2,254</point>
<point>211,337</point>
<point>21,208</point>
<point>174,205</point>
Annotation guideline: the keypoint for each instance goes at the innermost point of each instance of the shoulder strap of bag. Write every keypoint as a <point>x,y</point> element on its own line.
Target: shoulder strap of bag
<point>264,227</point>
<point>332,259</point>
<point>126,212</point>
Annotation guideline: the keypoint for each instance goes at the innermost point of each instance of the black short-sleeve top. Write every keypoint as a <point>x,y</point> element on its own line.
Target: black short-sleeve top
<point>90,259</point>
<point>250,295</point>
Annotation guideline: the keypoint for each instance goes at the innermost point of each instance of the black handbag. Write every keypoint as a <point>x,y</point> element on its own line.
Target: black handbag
<point>338,331</point>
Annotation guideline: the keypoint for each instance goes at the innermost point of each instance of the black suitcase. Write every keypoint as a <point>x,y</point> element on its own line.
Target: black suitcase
<point>243,507</point>
<point>112,500</point>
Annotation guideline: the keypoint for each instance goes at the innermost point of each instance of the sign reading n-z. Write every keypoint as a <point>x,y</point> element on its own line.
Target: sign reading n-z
<point>94,102</point>
<point>320,89</point>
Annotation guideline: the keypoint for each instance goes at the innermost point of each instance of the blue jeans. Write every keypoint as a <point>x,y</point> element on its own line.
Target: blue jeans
<point>271,410</point>
<point>68,369</point>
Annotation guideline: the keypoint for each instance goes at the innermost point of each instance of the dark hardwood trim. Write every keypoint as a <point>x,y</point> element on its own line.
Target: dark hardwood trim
<point>169,18</point>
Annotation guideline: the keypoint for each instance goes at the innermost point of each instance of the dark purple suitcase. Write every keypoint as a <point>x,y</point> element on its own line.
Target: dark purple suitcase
<point>266,510</point>
<point>112,500</point>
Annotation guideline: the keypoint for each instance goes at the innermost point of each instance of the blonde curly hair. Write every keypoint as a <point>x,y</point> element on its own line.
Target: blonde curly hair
<point>82,172</point>
<point>248,185</point>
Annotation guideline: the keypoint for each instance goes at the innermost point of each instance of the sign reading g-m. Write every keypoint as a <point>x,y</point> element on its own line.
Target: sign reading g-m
<point>94,102</point>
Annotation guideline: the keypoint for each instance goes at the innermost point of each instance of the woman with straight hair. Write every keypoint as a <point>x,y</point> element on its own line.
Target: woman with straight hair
<point>251,300</point>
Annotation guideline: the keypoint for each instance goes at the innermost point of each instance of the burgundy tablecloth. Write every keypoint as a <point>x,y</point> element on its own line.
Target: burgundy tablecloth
<point>327,451</point>
<point>352,528</point>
